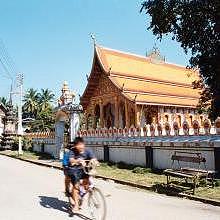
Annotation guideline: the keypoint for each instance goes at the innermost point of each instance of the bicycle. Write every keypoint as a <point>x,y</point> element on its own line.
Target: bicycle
<point>96,201</point>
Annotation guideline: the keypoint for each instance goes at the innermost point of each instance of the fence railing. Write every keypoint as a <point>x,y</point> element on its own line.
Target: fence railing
<point>154,130</point>
<point>40,135</point>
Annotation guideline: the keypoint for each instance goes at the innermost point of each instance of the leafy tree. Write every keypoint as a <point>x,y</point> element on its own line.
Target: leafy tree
<point>196,25</point>
<point>3,100</point>
<point>44,121</point>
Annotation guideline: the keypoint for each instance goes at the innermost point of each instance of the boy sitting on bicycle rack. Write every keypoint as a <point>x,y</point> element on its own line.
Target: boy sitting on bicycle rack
<point>65,163</point>
<point>77,160</point>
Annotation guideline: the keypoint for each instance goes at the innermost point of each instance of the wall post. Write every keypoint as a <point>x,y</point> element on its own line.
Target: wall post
<point>106,153</point>
<point>149,156</point>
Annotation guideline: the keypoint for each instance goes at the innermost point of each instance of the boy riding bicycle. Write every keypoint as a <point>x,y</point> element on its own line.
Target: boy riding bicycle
<point>78,156</point>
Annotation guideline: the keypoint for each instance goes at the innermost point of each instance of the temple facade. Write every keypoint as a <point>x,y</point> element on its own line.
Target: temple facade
<point>125,90</point>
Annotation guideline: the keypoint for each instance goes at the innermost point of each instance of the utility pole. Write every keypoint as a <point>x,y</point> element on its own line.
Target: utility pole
<point>20,79</point>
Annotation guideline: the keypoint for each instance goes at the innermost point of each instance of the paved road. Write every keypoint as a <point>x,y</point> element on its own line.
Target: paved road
<point>31,192</point>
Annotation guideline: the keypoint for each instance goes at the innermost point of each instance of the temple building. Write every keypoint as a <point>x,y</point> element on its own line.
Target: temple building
<point>125,90</point>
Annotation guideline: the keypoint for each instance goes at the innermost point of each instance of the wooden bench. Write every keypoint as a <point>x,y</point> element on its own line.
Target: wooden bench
<point>196,175</point>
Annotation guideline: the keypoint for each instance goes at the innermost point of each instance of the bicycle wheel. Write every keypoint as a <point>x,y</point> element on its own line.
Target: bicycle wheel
<point>97,204</point>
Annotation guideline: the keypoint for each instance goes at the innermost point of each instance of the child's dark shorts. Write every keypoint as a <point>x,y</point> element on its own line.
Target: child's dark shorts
<point>76,174</point>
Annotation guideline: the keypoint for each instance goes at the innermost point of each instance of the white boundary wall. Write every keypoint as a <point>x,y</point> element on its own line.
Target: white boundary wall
<point>154,152</point>
<point>127,154</point>
<point>162,158</point>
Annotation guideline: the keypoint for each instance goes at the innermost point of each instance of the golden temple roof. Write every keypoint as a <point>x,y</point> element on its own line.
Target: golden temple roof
<point>147,82</point>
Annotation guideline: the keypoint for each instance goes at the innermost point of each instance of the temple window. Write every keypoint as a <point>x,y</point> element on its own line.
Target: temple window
<point>191,120</point>
<point>201,120</point>
<point>166,118</point>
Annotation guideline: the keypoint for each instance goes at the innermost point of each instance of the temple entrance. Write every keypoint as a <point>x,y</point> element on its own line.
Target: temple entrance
<point>109,116</point>
<point>150,115</point>
<point>148,118</point>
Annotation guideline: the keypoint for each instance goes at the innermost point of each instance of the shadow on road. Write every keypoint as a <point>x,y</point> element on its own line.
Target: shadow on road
<point>55,203</point>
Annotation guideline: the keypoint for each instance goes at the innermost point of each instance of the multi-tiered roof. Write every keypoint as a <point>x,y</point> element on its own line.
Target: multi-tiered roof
<point>144,81</point>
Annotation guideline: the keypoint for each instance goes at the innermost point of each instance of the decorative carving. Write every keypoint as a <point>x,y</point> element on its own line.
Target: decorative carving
<point>167,128</point>
<point>104,86</point>
<point>152,130</point>
<point>195,125</point>
<point>207,126</point>
<point>176,128</point>
<point>145,131</point>
<point>217,125</point>
<point>186,128</point>
<point>159,129</point>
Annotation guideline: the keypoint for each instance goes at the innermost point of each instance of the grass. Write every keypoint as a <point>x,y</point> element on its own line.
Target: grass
<point>155,179</point>
<point>29,155</point>
<point>137,175</point>
<point>210,193</point>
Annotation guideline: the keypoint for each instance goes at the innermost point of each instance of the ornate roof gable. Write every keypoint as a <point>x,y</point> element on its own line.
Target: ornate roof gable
<point>142,81</point>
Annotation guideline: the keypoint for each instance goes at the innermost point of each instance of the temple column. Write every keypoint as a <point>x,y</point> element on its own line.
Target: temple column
<point>86,121</point>
<point>126,115</point>
<point>101,114</point>
<point>137,116</point>
<point>116,123</point>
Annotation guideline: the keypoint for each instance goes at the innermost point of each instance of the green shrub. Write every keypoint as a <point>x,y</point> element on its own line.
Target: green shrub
<point>217,183</point>
<point>27,144</point>
<point>123,165</point>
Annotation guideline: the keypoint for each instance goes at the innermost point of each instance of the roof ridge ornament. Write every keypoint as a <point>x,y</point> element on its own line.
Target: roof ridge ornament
<point>122,88</point>
<point>155,56</point>
<point>135,97</point>
<point>109,71</point>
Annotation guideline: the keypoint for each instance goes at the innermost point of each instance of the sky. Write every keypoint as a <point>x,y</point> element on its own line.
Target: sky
<point>49,40</point>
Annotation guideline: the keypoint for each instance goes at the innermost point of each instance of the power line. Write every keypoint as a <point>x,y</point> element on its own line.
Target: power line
<point>8,60</point>
<point>8,74</point>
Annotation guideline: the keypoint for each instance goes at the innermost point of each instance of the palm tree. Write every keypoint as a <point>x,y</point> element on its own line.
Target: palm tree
<point>46,97</point>
<point>39,106</point>
<point>31,100</point>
